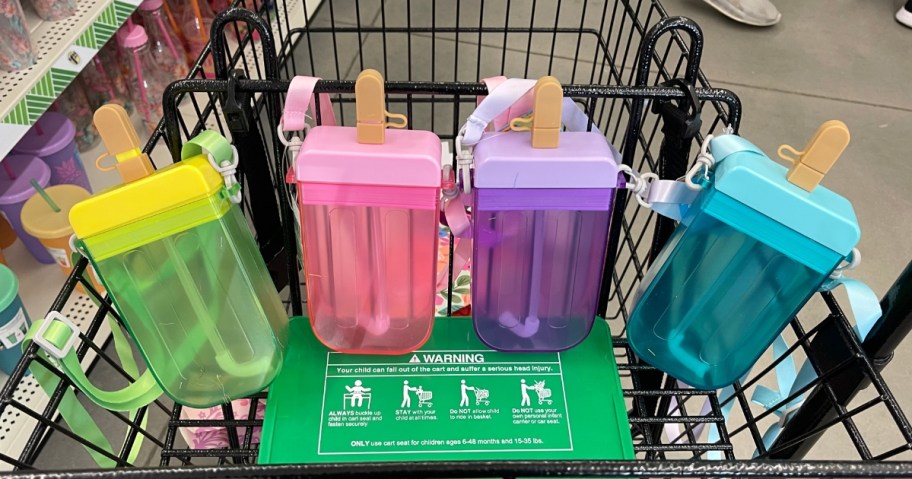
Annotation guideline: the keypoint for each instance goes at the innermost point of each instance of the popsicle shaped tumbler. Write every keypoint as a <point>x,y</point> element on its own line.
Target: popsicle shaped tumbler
<point>542,207</point>
<point>177,257</point>
<point>752,248</point>
<point>369,201</point>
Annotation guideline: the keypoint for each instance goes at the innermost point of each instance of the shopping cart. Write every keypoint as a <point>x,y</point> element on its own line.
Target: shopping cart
<point>543,393</point>
<point>424,399</point>
<point>481,397</point>
<point>614,59</point>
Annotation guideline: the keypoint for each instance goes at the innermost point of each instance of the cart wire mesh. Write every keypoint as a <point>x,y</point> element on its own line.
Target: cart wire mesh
<point>616,60</point>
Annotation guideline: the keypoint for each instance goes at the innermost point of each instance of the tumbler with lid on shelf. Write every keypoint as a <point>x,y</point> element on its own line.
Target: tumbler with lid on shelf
<point>147,79</point>
<point>54,10</point>
<point>164,44</point>
<point>103,81</point>
<point>182,267</point>
<point>195,20</point>
<point>53,139</point>
<point>369,201</point>
<point>16,52</point>
<point>542,207</point>
<point>16,175</point>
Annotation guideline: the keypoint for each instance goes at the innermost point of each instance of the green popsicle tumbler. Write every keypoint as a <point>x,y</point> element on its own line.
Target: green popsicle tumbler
<point>177,257</point>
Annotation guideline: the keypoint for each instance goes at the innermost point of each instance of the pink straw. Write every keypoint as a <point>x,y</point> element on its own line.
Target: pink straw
<point>38,129</point>
<point>109,86</point>
<point>9,170</point>
<point>161,25</point>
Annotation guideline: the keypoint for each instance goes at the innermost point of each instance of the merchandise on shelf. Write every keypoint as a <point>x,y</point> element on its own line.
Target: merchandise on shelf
<point>164,43</point>
<point>543,201</point>
<point>103,81</point>
<point>14,321</point>
<point>46,216</point>
<point>369,202</point>
<point>754,245</point>
<point>194,18</point>
<point>146,79</point>
<point>7,234</point>
<point>74,104</point>
<point>173,248</point>
<point>52,138</point>
<point>16,50</point>
<point>54,10</point>
<point>16,175</point>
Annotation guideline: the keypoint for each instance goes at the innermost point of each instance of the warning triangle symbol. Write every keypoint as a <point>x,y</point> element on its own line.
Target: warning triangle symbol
<point>414,359</point>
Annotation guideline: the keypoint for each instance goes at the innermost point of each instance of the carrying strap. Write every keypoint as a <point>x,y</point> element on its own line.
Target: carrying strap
<point>299,99</point>
<point>505,99</point>
<point>672,199</point>
<point>56,330</point>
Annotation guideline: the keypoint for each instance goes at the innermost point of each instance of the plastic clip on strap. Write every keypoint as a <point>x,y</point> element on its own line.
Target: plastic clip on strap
<point>222,155</point>
<point>501,99</point>
<point>56,336</point>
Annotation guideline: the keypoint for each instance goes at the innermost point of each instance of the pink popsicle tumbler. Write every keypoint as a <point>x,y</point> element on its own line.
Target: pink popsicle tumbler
<point>16,175</point>
<point>369,201</point>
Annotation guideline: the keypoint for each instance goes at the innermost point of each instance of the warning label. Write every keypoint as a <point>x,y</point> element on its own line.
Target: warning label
<point>444,401</point>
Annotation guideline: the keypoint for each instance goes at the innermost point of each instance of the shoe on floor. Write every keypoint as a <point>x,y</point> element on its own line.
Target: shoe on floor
<point>759,13</point>
<point>904,16</point>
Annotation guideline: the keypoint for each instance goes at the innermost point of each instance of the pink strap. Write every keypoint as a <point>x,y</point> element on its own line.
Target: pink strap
<point>521,107</point>
<point>462,254</point>
<point>458,220</point>
<point>300,97</point>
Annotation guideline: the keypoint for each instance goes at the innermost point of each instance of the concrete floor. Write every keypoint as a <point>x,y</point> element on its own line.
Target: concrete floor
<point>838,59</point>
<point>833,59</point>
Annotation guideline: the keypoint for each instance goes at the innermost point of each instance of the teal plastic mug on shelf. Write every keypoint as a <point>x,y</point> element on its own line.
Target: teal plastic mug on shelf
<point>754,245</point>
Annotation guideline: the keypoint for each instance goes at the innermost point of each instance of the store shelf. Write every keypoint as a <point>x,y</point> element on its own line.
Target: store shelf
<point>64,48</point>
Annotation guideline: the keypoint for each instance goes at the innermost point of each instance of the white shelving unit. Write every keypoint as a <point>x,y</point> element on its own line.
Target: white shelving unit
<point>64,48</point>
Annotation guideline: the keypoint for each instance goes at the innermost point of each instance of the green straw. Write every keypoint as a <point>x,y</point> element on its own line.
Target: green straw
<point>47,197</point>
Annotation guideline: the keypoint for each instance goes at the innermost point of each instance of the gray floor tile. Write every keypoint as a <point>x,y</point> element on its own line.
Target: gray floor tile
<point>346,12</point>
<point>848,49</point>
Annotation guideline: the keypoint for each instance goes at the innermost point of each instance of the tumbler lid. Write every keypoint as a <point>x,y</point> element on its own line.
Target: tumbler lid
<point>508,160</point>
<point>51,133</point>
<point>744,173</point>
<point>41,221</point>
<point>167,189</point>
<point>9,287</point>
<point>135,38</point>
<point>16,175</point>
<point>149,5</point>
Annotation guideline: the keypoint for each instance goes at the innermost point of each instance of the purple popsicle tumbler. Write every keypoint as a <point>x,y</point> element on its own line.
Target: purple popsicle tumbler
<point>542,207</point>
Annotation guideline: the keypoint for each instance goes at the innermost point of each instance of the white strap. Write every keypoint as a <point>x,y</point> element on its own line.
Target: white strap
<point>501,98</point>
